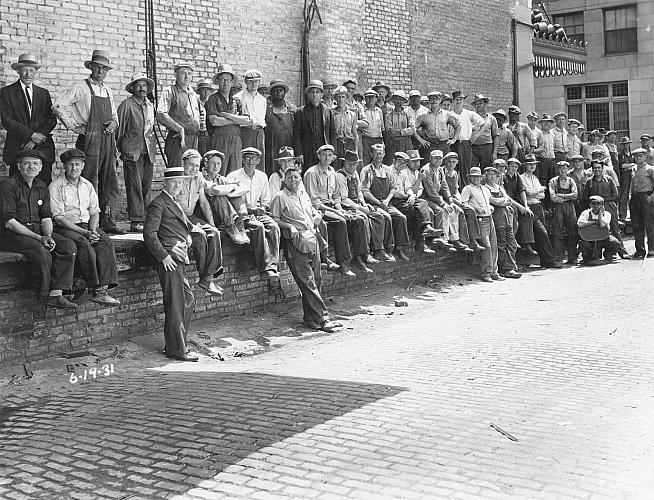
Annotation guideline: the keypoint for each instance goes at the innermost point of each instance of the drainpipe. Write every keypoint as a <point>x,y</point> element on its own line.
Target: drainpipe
<point>514,66</point>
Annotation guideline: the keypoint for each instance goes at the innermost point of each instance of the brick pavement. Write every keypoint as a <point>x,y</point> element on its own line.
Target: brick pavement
<point>396,405</point>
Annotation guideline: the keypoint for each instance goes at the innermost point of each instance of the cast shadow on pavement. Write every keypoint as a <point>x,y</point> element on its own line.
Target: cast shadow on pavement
<point>159,429</point>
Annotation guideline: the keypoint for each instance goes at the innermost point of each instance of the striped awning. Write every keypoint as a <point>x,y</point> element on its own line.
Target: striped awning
<point>545,66</point>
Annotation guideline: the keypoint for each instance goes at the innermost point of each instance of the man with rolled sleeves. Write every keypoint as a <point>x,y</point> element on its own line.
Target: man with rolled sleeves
<point>313,126</point>
<point>563,193</point>
<point>26,113</point>
<point>433,127</point>
<point>88,108</point>
<point>573,142</point>
<point>253,105</point>
<point>597,215</point>
<point>181,112</point>
<point>75,210</point>
<point>400,127</point>
<point>167,235</point>
<point>137,145</point>
<point>264,231</point>
<point>522,133</point>
<point>468,121</point>
<point>641,205</point>
<point>484,137</point>
<point>26,227</point>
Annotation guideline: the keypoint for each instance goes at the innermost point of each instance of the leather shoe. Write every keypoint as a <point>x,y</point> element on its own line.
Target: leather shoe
<point>637,255</point>
<point>330,265</point>
<point>210,287</point>
<point>422,248</point>
<point>60,302</point>
<point>497,277</point>
<point>371,260</point>
<point>476,247</point>
<point>329,326</point>
<point>553,265</point>
<point>183,357</point>
<point>113,229</point>
<point>401,255</point>
<point>487,279</point>
<point>527,248</point>
<point>461,247</point>
<point>431,232</point>
<point>344,269</point>
<point>512,274</point>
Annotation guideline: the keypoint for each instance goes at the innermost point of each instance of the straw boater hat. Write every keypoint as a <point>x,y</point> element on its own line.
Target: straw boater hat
<point>25,60</point>
<point>99,57</point>
<point>137,77</point>
<point>183,64</point>
<point>175,173</point>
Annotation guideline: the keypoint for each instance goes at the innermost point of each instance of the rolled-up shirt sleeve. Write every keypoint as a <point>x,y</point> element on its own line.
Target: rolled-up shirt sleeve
<point>57,199</point>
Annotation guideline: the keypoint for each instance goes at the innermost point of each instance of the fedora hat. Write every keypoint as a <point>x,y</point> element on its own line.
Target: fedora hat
<point>546,118</point>
<point>458,94</point>
<point>625,140</point>
<point>100,57</point>
<point>400,93</point>
<point>137,77</point>
<point>350,157</point>
<point>25,60</point>
<point>225,68</point>
<point>414,154</point>
<point>315,84</point>
<point>480,97</point>
<point>277,83</point>
<point>501,113</point>
<point>175,173</point>
<point>382,85</point>
<point>286,153</point>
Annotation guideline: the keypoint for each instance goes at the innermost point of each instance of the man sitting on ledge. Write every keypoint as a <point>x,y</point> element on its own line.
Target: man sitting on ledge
<point>594,224</point>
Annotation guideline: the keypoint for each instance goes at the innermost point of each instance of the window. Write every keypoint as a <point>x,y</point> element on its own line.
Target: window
<point>573,23</point>
<point>600,105</point>
<point>620,33</point>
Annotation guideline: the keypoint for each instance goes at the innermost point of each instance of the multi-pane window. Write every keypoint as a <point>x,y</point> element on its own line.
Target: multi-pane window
<point>620,33</point>
<point>573,23</point>
<point>600,105</point>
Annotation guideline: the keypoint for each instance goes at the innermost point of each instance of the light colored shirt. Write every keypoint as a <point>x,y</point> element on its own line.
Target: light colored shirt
<point>190,194</point>
<point>375,119</point>
<point>642,179</point>
<point>74,105</point>
<point>523,134</point>
<point>434,185</point>
<point>253,106</point>
<point>435,124</point>
<point>537,135</point>
<point>400,122</point>
<point>533,188</point>
<point>405,181</point>
<point>468,119</point>
<point>295,209</point>
<point>588,216</point>
<point>75,203</point>
<point>258,194</point>
<point>345,124</point>
<point>560,139</point>
<point>321,186</point>
<point>573,145</point>
<point>276,184</point>
<point>548,145</point>
<point>478,198</point>
<point>485,133</point>
<point>180,109</point>
<point>415,113</point>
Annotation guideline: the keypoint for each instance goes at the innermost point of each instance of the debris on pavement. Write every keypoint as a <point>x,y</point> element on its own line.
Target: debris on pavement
<point>401,302</point>
<point>502,431</point>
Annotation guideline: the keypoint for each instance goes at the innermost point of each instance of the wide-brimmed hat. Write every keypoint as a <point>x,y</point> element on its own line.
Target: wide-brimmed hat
<point>100,57</point>
<point>26,60</point>
<point>175,173</point>
<point>205,83</point>
<point>546,118</point>
<point>531,159</point>
<point>183,64</point>
<point>315,84</point>
<point>513,160</point>
<point>212,153</point>
<point>533,115</point>
<point>625,140</point>
<point>414,154</point>
<point>350,157</point>
<point>458,94</point>
<point>475,171</point>
<point>340,90</point>
<point>251,151</point>
<point>501,113</point>
<point>286,153</point>
<point>560,113</point>
<point>30,153</point>
<point>451,154</point>
<point>380,84</point>
<point>225,68</point>
<point>69,154</point>
<point>137,77</point>
<point>371,93</point>
<point>480,97</point>
<point>277,83</point>
<point>400,93</point>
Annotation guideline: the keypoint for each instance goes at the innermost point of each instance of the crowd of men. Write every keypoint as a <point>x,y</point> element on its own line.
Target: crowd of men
<point>373,172</point>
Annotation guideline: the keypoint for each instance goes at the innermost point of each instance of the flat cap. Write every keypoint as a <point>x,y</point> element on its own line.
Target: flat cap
<point>325,147</point>
<point>639,151</point>
<point>514,109</point>
<point>250,151</point>
<point>69,154</point>
<point>252,74</point>
<point>401,155</point>
<point>31,153</point>
<point>596,198</point>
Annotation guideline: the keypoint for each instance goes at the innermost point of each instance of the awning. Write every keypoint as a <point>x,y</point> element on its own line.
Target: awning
<point>545,66</point>
<point>558,58</point>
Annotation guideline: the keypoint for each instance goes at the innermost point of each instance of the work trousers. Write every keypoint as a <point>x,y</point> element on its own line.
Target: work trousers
<point>394,145</point>
<point>523,228</point>
<point>138,179</point>
<point>254,138</point>
<point>367,143</point>
<point>434,144</point>
<point>173,147</point>
<point>203,142</point>
<point>305,268</point>
<point>642,221</point>
<point>418,209</point>
<point>464,150</point>
<point>446,221</point>
<point>100,167</point>
<point>381,230</point>
<point>97,261</point>
<point>614,226</point>
<point>623,193</point>
<point>541,237</point>
<point>506,242</point>
<point>225,209</point>
<point>264,241</point>
<point>53,270</point>
<point>337,228</point>
<point>474,233</point>
<point>592,250</point>
<point>488,238</point>
<point>178,302</point>
<point>565,220</point>
<point>207,248</point>
<point>399,224</point>
<point>230,146</point>
<point>545,171</point>
<point>482,155</point>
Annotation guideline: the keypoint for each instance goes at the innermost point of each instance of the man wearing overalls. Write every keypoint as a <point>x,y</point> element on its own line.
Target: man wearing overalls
<point>563,193</point>
<point>88,108</point>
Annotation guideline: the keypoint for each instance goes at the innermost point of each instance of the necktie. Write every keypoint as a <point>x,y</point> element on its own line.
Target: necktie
<point>29,98</point>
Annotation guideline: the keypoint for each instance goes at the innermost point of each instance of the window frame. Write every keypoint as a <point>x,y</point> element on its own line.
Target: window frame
<point>560,19</point>
<point>611,100</point>
<point>631,29</point>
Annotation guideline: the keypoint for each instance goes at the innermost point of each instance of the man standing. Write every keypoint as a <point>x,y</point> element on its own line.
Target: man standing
<point>313,126</point>
<point>532,121</point>
<point>414,110</point>
<point>74,207</point>
<point>468,119</point>
<point>204,89</point>
<point>399,127</point>
<point>345,124</point>
<point>167,235</point>
<point>280,116</point>
<point>625,166</point>
<point>573,143</point>
<point>88,109</point>
<point>563,193</point>
<point>484,138</point>
<point>136,143</point>
<point>383,96</point>
<point>507,144</point>
<point>28,118</point>
<point>224,120</point>
<point>253,105</point>
<point>641,205</point>
<point>26,227</point>
<point>373,132</point>
<point>522,133</point>
<point>264,231</point>
<point>596,215</point>
<point>547,155</point>
<point>560,136</point>
<point>181,112</point>
<point>298,220</point>
<point>433,127</point>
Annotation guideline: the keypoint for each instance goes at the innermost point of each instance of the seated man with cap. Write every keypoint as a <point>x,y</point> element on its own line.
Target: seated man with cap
<point>167,235</point>
<point>320,185</point>
<point>378,224</point>
<point>407,199</point>
<point>446,214</point>
<point>641,205</point>
<point>563,193</point>
<point>206,245</point>
<point>75,210</point>
<point>26,227</point>
<point>378,187</point>
<point>226,198</point>
<point>593,226</point>
<point>264,231</point>
<point>298,220</point>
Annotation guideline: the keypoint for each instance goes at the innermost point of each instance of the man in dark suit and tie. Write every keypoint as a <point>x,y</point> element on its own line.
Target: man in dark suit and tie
<point>167,234</point>
<point>313,125</point>
<point>28,118</point>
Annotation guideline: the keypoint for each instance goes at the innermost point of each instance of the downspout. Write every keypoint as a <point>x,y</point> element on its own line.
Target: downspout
<point>514,65</point>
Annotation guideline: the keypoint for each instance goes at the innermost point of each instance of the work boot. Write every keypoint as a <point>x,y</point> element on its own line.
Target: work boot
<point>399,253</point>
<point>460,247</point>
<point>330,265</point>
<point>441,244</point>
<point>475,246</point>
<point>210,287</point>
<point>527,248</point>
<point>369,259</point>
<point>237,236</point>
<point>101,296</point>
<point>382,256</point>
<point>422,248</point>
<point>344,269</point>
<point>431,232</point>
<point>108,225</point>
<point>60,302</point>
<point>361,264</point>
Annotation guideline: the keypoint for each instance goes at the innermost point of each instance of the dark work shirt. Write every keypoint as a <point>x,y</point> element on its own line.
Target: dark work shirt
<point>605,188</point>
<point>216,103</point>
<point>315,120</point>
<point>18,201</point>
<point>513,186</point>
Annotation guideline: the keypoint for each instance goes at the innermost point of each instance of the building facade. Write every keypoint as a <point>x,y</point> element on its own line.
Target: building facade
<point>617,89</point>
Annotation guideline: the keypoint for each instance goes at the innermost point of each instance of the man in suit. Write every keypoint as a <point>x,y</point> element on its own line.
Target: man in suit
<point>167,235</point>
<point>313,126</point>
<point>28,118</point>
